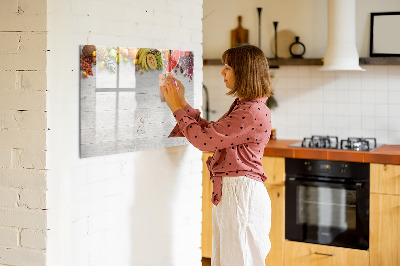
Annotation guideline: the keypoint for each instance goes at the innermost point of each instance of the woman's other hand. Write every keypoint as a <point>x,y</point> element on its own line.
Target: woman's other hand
<point>171,94</point>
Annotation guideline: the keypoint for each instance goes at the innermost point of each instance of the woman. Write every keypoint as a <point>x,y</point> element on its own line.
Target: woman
<point>242,209</point>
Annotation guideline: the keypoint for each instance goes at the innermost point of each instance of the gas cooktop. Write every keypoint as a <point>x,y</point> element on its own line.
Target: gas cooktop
<point>332,142</point>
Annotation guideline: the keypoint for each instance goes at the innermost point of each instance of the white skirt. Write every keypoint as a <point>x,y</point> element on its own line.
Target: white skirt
<point>241,223</point>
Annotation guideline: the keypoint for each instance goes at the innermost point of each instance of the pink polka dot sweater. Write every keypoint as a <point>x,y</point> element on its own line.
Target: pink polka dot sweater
<point>238,139</point>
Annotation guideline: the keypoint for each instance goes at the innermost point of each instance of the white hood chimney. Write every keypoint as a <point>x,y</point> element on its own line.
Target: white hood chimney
<point>341,51</point>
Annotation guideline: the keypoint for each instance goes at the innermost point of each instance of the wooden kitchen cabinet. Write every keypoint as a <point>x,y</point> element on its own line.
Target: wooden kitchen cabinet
<point>277,233</point>
<point>385,215</point>
<point>206,225</point>
<point>385,178</point>
<point>384,236</point>
<point>274,168</point>
<point>305,254</point>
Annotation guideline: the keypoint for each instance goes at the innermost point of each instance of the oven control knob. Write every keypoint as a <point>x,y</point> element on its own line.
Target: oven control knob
<point>343,168</point>
<point>308,166</point>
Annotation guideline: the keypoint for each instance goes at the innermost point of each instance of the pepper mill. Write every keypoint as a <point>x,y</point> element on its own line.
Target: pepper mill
<point>276,38</point>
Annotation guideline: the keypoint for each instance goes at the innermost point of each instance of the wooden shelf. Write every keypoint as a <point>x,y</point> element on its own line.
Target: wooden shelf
<point>274,63</point>
<point>380,61</point>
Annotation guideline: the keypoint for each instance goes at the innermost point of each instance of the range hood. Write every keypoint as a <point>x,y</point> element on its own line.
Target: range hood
<point>341,51</point>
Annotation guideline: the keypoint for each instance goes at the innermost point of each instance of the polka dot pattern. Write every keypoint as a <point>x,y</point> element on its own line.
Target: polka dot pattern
<point>238,139</point>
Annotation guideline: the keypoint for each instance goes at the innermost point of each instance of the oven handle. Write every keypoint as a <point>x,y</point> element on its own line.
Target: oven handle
<point>357,185</point>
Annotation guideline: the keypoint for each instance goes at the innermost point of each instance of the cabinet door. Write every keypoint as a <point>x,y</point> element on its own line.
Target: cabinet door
<point>274,168</point>
<point>304,254</point>
<point>277,233</point>
<point>206,226</point>
<point>385,178</point>
<point>384,230</point>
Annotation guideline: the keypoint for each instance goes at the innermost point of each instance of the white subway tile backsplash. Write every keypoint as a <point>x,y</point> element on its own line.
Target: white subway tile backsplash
<point>382,123</point>
<point>304,82</point>
<point>394,71</point>
<point>317,131</point>
<point>381,97</point>
<point>394,123</point>
<point>381,136</point>
<point>342,80</point>
<point>355,122</point>
<point>394,82</point>
<point>317,107</point>
<point>394,97</point>
<point>367,133</point>
<point>342,109</point>
<point>355,132</point>
<point>394,110</point>
<point>304,72</point>
<point>329,93</point>
<point>367,96</point>
<point>304,109</point>
<point>355,109</point>
<point>292,82</point>
<point>394,137</point>
<point>342,122</point>
<point>329,109</point>
<point>316,83</point>
<point>382,110</point>
<point>353,102</point>
<point>355,96</point>
<point>354,80</point>
<point>328,74</point>
<point>316,72</point>
<point>329,123</point>
<point>367,110</point>
<point>291,71</point>
<point>380,71</point>
<point>380,84</point>
<point>342,96</point>
<point>342,133</point>
<point>367,123</point>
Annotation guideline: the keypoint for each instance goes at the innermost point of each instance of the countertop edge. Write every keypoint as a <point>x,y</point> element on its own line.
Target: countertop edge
<point>386,154</point>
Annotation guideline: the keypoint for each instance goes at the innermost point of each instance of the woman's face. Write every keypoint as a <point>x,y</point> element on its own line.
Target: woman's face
<point>229,76</point>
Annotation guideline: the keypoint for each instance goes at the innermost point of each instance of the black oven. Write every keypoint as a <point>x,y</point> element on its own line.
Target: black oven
<point>327,202</point>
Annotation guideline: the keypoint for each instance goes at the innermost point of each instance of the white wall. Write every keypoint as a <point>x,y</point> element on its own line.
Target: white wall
<point>311,102</point>
<point>306,19</point>
<point>23,133</point>
<point>139,208</point>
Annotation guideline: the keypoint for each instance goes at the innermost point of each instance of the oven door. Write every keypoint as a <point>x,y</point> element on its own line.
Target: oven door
<point>327,213</point>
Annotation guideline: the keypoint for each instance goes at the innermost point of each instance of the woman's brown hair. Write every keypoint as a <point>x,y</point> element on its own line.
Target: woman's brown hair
<point>250,66</point>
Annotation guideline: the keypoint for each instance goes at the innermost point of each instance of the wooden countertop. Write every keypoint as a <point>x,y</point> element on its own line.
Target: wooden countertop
<point>389,154</point>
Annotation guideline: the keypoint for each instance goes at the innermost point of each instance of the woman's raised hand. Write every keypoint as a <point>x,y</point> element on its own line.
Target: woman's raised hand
<point>181,89</point>
<point>171,93</point>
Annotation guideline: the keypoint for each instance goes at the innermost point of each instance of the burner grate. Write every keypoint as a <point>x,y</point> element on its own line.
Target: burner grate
<point>327,142</point>
<point>358,144</point>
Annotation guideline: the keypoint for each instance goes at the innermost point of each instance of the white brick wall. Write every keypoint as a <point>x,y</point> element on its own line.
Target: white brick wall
<point>23,132</point>
<point>141,208</point>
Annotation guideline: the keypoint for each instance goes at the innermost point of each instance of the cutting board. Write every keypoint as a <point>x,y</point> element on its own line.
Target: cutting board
<point>239,35</point>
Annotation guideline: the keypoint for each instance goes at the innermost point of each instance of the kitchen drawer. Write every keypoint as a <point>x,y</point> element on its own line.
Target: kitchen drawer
<point>305,254</point>
<point>385,178</point>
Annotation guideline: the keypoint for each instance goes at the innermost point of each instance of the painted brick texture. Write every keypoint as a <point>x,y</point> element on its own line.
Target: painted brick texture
<point>23,126</point>
<point>139,208</point>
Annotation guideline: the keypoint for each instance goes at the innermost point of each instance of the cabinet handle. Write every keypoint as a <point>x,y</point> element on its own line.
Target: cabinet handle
<point>324,254</point>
